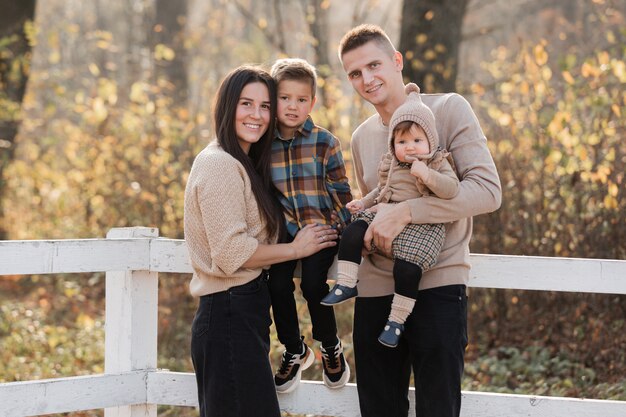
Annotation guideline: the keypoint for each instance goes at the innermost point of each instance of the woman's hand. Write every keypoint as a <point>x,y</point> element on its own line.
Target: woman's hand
<point>312,238</point>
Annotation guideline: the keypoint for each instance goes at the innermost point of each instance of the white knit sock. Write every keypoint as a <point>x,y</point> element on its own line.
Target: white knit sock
<point>401,307</point>
<point>347,273</point>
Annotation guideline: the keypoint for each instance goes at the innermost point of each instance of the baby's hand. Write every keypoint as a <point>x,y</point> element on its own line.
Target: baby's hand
<point>355,206</point>
<point>420,170</point>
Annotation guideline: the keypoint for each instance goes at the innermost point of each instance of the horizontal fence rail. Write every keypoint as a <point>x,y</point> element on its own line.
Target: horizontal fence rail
<point>132,386</point>
<point>603,276</point>
<point>61,395</point>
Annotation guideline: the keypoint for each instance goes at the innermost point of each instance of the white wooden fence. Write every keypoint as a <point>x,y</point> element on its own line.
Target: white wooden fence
<point>132,385</point>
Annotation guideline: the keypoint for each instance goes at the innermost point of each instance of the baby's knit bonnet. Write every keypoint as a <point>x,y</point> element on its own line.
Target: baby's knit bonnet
<point>414,110</point>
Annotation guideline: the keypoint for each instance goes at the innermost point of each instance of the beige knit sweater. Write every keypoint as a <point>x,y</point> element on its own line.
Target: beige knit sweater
<point>479,192</point>
<point>223,227</point>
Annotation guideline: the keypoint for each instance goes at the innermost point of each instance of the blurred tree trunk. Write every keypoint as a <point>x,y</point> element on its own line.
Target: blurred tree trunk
<point>430,35</point>
<point>14,70</point>
<point>130,23</point>
<point>169,32</point>
<point>319,30</point>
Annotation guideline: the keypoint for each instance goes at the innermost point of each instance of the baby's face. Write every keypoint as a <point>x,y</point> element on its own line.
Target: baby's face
<point>411,143</point>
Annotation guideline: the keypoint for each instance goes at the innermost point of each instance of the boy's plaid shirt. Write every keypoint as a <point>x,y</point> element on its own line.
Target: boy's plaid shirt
<point>310,173</point>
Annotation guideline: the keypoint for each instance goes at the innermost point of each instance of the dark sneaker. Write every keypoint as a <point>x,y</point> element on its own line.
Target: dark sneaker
<point>390,335</point>
<point>338,294</point>
<point>336,369</point>
<point>288,376</point>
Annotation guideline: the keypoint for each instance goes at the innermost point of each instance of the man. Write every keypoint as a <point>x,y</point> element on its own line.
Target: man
<point>435,337</point>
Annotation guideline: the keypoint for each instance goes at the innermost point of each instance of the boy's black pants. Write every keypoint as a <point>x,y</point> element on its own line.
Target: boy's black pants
<point>314,288</point>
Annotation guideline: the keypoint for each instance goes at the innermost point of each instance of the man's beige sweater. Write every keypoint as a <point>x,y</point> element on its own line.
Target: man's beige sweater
<point>223,227</point>
<point>479,192</point>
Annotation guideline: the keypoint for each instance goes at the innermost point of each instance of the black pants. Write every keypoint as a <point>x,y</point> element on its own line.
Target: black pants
<point>230,345</point>
<point>433,346</point>
<point>406,275</point>
<point>314,288</point>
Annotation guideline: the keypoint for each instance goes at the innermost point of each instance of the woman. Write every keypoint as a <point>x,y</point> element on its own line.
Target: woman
<point>232,221</point>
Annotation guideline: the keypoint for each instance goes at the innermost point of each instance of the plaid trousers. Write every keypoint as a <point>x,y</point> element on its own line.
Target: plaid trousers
<point>419,244</point>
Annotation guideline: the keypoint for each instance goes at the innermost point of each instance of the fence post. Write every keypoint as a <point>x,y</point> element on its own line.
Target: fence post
<point>131,321</point>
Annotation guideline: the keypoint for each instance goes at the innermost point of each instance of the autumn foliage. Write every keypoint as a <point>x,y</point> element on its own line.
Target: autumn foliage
<point>97,151</point>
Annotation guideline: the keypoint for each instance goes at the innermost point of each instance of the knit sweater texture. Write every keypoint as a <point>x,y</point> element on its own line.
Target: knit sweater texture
<point>223,226</point>
<point>479,192</point>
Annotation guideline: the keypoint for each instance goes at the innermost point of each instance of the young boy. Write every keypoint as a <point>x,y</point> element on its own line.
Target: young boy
<point>415,166</point>
<point>309,172</point>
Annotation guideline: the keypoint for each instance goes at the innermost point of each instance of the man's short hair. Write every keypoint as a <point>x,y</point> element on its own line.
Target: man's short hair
<point>362,34</point>
<point>295,69</point>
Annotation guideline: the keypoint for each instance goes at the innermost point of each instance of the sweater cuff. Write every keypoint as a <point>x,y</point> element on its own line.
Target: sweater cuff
<point>244,252</point>
<point>416,210</point>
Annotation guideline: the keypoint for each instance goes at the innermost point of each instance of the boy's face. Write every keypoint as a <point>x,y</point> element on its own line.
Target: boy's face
<point>295,102</point>
<point>411,143</point>
<point>373,73</point>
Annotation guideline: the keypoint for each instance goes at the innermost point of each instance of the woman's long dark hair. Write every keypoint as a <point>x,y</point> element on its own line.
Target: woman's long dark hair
<point>257,161</point>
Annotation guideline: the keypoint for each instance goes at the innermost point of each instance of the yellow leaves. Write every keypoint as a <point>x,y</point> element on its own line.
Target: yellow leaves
<point>262,23</point>
<point>107,90</point>
<point>430,55</point>
<point>558,247</point>
<point>610,36</point>
<point>477,89</point>
<point>30,151</point>
<point>601,175</point>
<point>582,153</point>
<point>524,88</point>
<point>603,58</point>
<point>73,28</point>
<point>610,155</point>
<point>586,70</point>
<point>554,157</point>
<point>593,139</point>
<point>559,122</point>
<point>70,289</point>
<point>54,57</point>
<point>138,92</point>
<point>440,48</point>
<point>164,53</point>
<point>540,54</point>
<point>504,119</point>
<point>421,39</point>
<point>103,38</point>
<point>183,114</point>
<point>79,97</point>
<point>567,76</point>
<point>97,113</point>
<point>506,88</point>
<point>619,70</point>
<point>93,69</point>
<point>30,31</point>
<point>76,175</point>
<point>85,321</point>
<point>610,202</point>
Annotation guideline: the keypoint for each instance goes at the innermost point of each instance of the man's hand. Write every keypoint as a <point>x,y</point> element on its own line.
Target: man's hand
<point>389,221</point>
<point>420,170</point>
